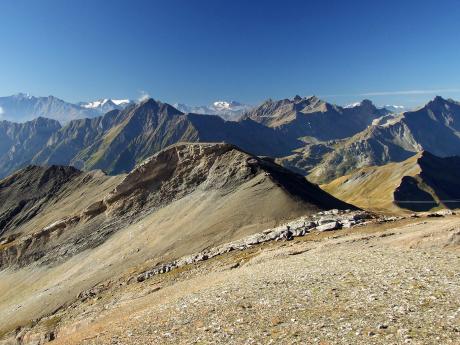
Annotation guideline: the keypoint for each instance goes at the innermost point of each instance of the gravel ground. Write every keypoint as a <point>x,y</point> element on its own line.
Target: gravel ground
<point>384,288</point>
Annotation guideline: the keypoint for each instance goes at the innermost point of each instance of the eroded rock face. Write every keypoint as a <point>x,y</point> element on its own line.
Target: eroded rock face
<point>175,172</point>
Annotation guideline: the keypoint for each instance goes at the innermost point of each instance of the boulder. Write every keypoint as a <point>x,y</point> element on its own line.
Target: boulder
<point>329,226</point>
<point>346,223</point>
<point>325,220</point>
<point>445,212</point>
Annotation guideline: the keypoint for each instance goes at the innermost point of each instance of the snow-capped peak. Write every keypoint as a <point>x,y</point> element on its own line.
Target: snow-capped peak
<point>23,95</point>
<point>221,105</point>
<point>121,101</point>
<point>106,101</point>
<point>396,106</point>
<point>353,105</point>
<point>224,105</point>
<point>94,104</point>
<point>228,110</point>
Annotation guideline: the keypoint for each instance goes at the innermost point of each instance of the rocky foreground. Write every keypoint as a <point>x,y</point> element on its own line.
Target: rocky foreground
<point>381,281</point>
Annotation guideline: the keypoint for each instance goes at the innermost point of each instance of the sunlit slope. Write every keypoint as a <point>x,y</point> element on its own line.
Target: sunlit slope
<point>419,183</point>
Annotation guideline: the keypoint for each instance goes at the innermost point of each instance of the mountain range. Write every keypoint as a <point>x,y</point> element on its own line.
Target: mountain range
<point>310,136</point>
<point>98,213</point>
<point>24,107</point>
<point>434,128</point>
<point>311,117</point>
<point>120,139</point>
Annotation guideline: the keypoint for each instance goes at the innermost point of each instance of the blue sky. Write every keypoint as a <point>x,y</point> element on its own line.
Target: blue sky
<point>197,51</point>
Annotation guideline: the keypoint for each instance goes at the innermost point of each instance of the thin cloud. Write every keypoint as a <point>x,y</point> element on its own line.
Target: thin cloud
<point>144,96</point>
<point>397,93</point>
<point>1,112</point>
<point>409,92</point>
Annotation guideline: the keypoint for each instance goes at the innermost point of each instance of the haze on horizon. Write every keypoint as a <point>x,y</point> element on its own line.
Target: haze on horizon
<point>201,51</point>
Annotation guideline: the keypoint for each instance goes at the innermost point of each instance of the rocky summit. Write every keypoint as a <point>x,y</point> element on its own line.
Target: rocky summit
<point>312,117</point>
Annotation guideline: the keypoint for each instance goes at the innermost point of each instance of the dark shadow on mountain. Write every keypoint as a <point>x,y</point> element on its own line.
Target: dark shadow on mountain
<point>409,196</point>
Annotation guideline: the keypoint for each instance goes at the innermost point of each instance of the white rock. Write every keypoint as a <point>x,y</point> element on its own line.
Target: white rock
<point>328,226</point>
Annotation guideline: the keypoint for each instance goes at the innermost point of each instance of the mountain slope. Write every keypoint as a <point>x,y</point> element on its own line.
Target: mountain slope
<point>419,183</point>
<point>434,127</point>
<point>20,142</point>
<point>181,200</point>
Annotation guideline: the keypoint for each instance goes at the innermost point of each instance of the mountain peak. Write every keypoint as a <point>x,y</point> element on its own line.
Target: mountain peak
<point>148,100</point>
<point>22,95</point>
<point>312,98</point>
<point>367,102</point>
<point>438,104</point>
<point>297,98</point>
<point>228,110</point>
<point>437,101</point>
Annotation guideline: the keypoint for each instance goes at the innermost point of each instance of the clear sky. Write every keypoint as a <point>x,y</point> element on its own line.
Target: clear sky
<point>197,51</point>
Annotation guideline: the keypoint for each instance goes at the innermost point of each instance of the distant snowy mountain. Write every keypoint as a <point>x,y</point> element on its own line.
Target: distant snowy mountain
<point>396,108</point>
<point>105,105</point>
<point>352,105</point>
<point>24,107</point>
<point>230,111</point>
<point>392,109</point>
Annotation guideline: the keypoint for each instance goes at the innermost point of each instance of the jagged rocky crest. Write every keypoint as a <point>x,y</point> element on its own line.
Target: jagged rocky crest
<point>312,117</point>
